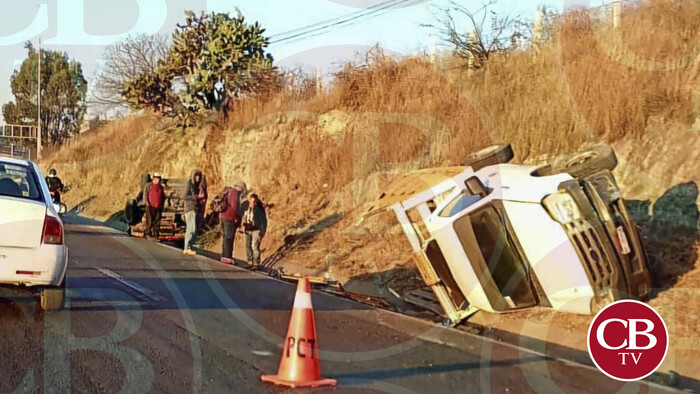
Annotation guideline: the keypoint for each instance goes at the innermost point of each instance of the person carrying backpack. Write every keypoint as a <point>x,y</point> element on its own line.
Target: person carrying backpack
<point>230,219</point>
<point>55,186</point>
<point>254,227</point>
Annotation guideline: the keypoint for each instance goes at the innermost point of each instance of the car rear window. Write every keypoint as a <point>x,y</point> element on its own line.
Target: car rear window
<point>18,181</point>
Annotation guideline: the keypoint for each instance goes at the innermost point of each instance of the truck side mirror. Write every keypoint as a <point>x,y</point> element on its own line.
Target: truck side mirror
<point>475,187</point>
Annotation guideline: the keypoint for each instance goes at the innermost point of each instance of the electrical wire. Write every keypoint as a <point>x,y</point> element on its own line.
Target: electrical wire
<point>319,27</point>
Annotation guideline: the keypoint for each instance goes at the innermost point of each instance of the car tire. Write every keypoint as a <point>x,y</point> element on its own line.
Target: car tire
<point>494,154</point>
<point>586,161</point>
<point>53,298</point>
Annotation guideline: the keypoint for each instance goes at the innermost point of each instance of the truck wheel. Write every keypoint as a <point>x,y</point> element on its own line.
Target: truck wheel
<point>53,298</point>
<point>131,212</point>
<point>494,154</point>
<point>585,162</point>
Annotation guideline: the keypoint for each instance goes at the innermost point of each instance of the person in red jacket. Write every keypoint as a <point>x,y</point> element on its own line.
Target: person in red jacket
<point>230,220</point>
<point>155,201</point>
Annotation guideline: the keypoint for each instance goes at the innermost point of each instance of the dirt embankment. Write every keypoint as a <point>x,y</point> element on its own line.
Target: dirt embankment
<point>316,157</point>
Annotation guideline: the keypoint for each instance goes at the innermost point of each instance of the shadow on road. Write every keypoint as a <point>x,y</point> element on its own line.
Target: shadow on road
<point>199,293</point>
<point>385,374</point>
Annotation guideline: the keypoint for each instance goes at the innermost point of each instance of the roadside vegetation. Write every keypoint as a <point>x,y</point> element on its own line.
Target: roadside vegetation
<point>586,82</point>
<point>63,95</point>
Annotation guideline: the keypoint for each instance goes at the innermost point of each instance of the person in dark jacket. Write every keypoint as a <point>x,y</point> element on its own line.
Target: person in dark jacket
<point>155,202</point>
<point>254,227</point>
<point>201,200</point>
<point>195,200</point>
<point>55,186</point>
<point>231,220</point>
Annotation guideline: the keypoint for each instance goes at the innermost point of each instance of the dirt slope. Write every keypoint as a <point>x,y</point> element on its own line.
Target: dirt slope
<point>317,157</point>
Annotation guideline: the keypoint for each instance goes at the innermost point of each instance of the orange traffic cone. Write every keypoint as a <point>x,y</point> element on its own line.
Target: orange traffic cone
<point>300,365</point>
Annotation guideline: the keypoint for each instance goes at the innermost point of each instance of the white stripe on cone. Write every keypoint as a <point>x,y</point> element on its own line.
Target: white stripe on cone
<point>302,300</point>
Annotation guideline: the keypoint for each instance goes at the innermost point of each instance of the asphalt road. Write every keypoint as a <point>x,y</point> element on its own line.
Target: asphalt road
<point>144,318</point>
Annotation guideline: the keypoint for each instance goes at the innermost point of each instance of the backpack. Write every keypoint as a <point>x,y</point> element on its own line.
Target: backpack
<point>220,202</point>
<point>53,183</point>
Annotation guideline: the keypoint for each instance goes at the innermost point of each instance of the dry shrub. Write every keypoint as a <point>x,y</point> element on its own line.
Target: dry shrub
<point>545,100</point>
<point>109,138</point>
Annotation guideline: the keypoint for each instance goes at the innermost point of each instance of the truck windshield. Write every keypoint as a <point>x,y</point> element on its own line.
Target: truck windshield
<point>459,203</point>
<point>493,256</point>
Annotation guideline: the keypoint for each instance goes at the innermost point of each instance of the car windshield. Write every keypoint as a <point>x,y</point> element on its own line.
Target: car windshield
<point>18,181</point>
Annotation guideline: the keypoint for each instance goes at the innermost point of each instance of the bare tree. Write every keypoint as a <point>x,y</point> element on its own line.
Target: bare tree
<point>122,62</point>
<point>485,34</point>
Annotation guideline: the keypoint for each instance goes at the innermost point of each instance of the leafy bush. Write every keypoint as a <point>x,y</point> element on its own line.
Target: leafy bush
<point>214,58</point>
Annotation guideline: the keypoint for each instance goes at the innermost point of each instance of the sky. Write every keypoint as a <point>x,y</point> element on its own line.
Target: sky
<point>83,28</point>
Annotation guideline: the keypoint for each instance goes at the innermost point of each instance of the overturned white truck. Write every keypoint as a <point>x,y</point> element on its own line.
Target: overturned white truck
<point>500,237</point>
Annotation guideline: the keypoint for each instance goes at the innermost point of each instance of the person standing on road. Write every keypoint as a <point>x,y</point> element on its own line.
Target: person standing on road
<point>195,192</point>
<point>230,220</point>
<point>155,201</point>
<point>254,227</point>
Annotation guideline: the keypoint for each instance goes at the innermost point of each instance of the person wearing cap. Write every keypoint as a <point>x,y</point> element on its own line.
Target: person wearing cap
<point>231,220</point>
<point>155,201</point>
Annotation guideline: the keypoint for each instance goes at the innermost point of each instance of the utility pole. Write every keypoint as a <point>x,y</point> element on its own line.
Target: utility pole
<point>38,108</point>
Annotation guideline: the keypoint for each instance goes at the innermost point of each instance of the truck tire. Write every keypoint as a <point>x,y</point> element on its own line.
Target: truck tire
<point>53,298</point>
<point>585,162</point>
<point>131,212</point>
<point>494,154</point>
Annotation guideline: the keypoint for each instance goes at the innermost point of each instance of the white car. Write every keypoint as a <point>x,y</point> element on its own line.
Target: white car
<point>499,237</point>
<point>33,253</point>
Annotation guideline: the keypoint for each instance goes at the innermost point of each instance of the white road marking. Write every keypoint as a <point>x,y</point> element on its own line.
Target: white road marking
<point>263,353</point>
<point>134,286</point>
<point>431,337</point>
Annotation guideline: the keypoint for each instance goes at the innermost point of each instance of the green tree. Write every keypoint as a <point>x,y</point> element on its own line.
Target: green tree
<point>213,59</point>
<point>63,93</point>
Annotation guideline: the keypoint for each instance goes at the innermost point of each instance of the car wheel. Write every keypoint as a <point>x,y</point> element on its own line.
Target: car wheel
<point>585,162</point>
<point>494,154</point>
<point>53,298</point>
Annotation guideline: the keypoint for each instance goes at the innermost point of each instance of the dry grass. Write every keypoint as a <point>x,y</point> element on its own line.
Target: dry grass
<point>581,86</point>
<point>102,141</point>
<point>578,87</point>
<point>543,101</point>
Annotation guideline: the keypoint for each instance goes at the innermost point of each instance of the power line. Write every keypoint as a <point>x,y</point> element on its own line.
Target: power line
<point>288,32</point>
<point>339,21</point>
<point>306,31</point>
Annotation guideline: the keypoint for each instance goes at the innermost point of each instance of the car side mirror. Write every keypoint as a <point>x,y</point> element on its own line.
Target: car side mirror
<point>475,187</point>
